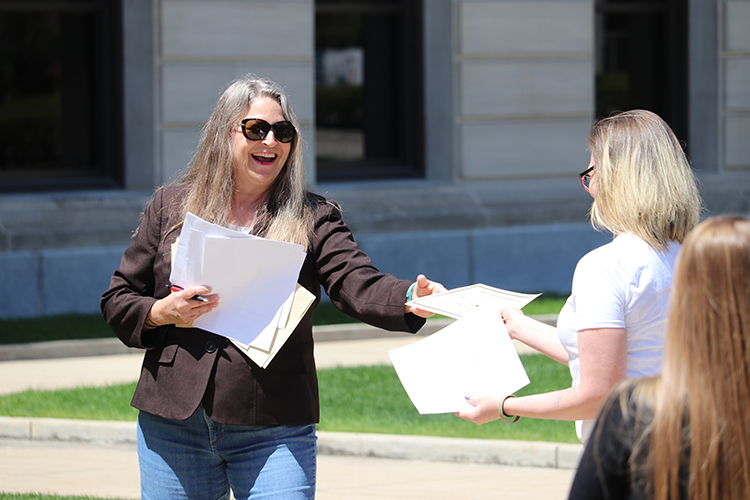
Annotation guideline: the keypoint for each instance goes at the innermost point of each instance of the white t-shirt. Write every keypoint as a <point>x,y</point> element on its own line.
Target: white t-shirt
<point>623,284</point>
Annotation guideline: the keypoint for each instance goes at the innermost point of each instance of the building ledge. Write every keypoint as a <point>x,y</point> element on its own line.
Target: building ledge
<point>108,218</point>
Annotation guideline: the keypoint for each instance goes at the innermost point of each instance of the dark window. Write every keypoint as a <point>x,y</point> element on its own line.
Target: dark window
<point>60,116</point>
<point>368,90</point>
<point>641,59</point>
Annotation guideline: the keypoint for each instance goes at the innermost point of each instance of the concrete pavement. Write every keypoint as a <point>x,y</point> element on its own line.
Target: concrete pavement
<point>69,457</point>
<point>78,468</point>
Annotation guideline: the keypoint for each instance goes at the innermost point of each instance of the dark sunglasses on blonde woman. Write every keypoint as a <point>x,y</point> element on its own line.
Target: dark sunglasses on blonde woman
<point>255,129</point>
<point>585,177</point>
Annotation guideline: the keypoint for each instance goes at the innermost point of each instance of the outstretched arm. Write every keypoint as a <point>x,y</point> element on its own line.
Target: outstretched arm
<point>535,334</point>
<point>603,354</point>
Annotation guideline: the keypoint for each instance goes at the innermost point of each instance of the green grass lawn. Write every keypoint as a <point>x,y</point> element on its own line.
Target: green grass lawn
<point>371,399</point>
<point>363,399</point>
<point>92,326</point>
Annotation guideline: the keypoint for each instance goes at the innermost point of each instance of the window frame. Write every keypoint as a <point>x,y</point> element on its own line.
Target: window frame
<point>107,170</point>
<point>410,163</point>
<point>673,101</point>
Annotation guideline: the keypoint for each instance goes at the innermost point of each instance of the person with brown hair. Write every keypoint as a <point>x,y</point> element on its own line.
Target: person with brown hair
<point>685,435</point>
<point>210,418</point>
<point>613,324</point>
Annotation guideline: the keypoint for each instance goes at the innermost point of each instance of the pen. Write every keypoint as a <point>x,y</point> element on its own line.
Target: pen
<point>178,288</point>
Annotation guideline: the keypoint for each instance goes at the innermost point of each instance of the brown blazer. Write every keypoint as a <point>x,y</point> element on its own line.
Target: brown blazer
<point>184,367</point>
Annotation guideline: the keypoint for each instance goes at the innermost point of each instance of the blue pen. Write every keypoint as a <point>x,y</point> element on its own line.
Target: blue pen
<point>178,288</point>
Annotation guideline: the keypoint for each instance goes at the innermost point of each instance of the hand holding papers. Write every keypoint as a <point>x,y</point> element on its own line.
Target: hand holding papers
<point>255,279</point>
<point>459,302</point>
<point>472,356</point>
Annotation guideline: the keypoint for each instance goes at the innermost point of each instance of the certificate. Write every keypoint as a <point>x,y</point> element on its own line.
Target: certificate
<point>460,302</point>
<point>470,357</point>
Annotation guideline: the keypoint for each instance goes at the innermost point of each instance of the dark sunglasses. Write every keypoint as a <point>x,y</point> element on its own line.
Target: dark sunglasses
<point>585,177</point>
<point>256,129</point>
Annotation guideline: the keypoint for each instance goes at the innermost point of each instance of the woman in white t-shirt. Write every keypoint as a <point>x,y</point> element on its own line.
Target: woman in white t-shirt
<point>612,326</point>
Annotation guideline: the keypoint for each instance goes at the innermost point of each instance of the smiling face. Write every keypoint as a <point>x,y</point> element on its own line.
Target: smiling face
<point>257,163</point>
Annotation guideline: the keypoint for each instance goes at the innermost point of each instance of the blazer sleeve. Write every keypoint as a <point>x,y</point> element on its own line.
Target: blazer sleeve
<point>133,287</point>
<point>354,285</point>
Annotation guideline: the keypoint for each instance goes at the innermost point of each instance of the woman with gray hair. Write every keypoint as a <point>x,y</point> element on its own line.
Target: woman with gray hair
<point>210,418</point>
<point>613,324</point>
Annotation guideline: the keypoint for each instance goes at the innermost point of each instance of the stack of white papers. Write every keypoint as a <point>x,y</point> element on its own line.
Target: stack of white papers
<point>256,280</point>
<point>302,301</point>
<point>473,356</point>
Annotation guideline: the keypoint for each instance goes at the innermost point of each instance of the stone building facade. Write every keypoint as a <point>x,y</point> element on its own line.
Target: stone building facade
<point>495,115</point>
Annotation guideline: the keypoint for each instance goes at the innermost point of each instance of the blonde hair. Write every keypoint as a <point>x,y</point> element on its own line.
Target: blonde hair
<point>644,183</point>
<point>702,399</point>
<point>287,215</point>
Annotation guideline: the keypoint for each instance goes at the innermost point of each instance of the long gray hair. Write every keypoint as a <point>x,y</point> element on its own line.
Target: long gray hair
<point>210,175</point>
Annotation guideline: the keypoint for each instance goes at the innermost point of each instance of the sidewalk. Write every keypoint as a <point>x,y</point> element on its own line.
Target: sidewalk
<point>70,457</point>
<point>75,468</point>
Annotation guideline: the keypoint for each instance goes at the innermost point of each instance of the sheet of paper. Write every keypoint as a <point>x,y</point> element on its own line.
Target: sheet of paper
<point>254,277</point>
<point>302,301</point>
<point>187,258</point>
<point>469,357</point>
<point>459,302</point>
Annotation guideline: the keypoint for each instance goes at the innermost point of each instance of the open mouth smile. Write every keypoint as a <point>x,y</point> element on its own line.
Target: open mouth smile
<point>265,158</point>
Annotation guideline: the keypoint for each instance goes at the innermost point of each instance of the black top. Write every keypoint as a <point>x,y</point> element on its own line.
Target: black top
<point>605,471</point>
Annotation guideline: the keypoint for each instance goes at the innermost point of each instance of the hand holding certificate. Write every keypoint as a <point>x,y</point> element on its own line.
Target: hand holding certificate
<point>472,356</point>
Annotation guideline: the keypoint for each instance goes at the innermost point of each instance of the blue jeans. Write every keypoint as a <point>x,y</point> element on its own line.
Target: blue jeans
<point>200,459</point>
